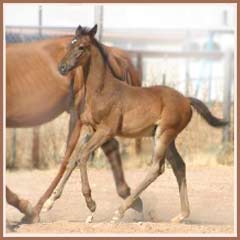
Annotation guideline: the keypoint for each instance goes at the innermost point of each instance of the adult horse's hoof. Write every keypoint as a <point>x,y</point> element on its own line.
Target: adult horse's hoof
<point>30,214</point>
<point>138,205</point>
<point>26,207</point>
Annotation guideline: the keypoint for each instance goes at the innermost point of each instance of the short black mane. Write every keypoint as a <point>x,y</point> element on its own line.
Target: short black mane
<point>84,31</point>
<point>105,58</point>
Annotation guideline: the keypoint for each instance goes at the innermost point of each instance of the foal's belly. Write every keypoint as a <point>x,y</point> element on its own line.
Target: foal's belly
<point>138,123</point>
<point>139,132</point>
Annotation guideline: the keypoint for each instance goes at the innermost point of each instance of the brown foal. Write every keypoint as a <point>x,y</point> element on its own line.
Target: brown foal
<point>37,93</point>
<point>112,108</point>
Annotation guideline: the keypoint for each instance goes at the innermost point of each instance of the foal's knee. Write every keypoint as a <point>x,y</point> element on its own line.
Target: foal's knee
<point>155,171</point>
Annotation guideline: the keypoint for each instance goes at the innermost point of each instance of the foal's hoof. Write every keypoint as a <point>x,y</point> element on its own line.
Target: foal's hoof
<point>179,218</point>
<point>138,205</point>
<point>118,214</point>
<point>89,219</point>
<point>47,205</point>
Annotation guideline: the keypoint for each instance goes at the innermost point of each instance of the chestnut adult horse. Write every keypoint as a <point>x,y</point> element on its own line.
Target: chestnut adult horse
<point>37,93</point>
<point>112,108</point>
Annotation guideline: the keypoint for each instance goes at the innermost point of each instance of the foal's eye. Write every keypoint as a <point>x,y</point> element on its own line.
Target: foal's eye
<point>81,48</point>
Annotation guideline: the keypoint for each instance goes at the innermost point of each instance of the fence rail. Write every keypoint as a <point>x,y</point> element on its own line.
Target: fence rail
<point>214,55</point>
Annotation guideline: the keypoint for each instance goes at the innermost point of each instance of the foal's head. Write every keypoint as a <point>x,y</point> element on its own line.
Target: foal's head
<point>79,50</point>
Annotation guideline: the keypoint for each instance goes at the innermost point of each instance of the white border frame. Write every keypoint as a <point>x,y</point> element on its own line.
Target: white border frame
<point>119,234</point>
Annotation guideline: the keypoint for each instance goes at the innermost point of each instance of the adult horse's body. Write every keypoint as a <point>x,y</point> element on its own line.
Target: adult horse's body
<point>37,93</point>
<point>159,112</point>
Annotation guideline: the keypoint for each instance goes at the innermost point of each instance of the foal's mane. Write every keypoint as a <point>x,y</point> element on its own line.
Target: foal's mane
<point>86,31</point>
<point>104,55</point>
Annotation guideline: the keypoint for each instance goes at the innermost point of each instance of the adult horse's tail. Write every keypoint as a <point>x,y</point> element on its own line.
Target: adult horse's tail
<point>202,109</point>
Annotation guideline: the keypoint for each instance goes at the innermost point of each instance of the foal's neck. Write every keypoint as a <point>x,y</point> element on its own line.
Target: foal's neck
<point>97,71</point>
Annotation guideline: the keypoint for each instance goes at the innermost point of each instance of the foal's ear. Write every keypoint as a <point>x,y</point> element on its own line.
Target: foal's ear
<point>78,31</point>
<point>93,31</point>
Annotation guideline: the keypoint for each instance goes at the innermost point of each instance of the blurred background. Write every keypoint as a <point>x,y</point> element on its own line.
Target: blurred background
<point>189,47</point>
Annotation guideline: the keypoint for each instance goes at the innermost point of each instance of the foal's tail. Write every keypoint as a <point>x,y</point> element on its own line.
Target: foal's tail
<point>202,109</point>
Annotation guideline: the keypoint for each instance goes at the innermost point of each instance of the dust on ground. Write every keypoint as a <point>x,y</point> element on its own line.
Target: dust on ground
<point>210,189</point>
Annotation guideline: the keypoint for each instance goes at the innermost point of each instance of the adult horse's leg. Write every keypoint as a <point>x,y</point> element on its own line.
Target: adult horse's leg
<point>179,170</point>
<point>162,140</point>
<point>22,205</point>
<point>111,150</point>
<point>70,147</point>
<point>72,123</point>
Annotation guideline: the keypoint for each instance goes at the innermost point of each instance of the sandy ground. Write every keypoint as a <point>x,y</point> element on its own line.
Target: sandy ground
<point>211,196</point>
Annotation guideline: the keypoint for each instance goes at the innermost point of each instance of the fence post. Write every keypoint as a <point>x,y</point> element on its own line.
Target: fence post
<point>14,148</point>
<point>164,79</point>
<point>36,148</point>
<point>99,21</point>
<point>40,21</point>
<point>140,67</point>
<point>228,76</point>
<point>138,141</point>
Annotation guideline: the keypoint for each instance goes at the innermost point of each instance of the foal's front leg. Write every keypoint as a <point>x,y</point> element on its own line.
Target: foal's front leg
<point>98,138</point>
<point>85,135</point>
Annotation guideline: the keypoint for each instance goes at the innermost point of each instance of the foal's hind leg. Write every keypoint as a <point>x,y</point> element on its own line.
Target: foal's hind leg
<point>111,150</point>
<point>162,140</point>
<point>179,170</point>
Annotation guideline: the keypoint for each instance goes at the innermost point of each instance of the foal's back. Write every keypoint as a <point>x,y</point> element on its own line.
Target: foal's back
<point>143,108</point>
